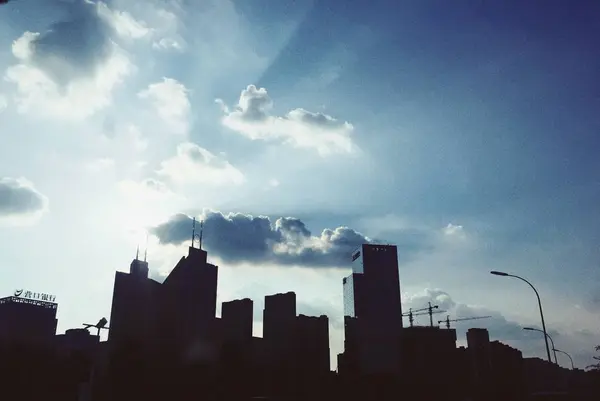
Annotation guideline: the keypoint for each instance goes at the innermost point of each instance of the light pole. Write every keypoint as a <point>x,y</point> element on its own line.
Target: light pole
<point>502,274</point>
<point>548,335</point>
<point>563,352</point>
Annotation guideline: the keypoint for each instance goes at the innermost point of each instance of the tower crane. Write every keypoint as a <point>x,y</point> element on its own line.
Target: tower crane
<point>448,320</point>
<point>423,311</point>
<point>100,325</point>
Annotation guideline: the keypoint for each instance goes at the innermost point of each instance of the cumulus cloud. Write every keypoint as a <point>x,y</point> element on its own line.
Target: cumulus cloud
<point>237,237</point>
<point>194,164</point>
<point>3,102</point>
<point>123,23</point>
<point>71,69</point>
<point>300,128</point>
<point>170,99</point>
<point>20,202</point>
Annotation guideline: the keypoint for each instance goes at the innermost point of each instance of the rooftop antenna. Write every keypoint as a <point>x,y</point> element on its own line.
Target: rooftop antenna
<point>194,235</point>
<point>146,251</point>
<point>201,232</point>
<point>137,252</point>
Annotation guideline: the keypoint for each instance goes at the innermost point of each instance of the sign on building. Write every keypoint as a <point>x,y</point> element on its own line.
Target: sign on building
<point>37,296</point>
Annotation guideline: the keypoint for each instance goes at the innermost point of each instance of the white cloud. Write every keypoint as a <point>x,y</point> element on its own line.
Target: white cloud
<point>300,128</point>
<point>39,93</point>
<point>147,189</point>
<point>127,137</point>
<point>167,43</point>
<point>20,202</point>
<point>166,32</point>
<point>123,23</point>
<point>100,164</point>
<point>170,99</point>
<point>454,231</point>
<point>3,102</point>
<point>274,182</point>
<point>194,164</point>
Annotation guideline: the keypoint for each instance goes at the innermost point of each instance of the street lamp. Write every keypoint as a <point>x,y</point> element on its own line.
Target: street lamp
<point>563,352</point>
<point>548,335</point>
<point>497,273</point>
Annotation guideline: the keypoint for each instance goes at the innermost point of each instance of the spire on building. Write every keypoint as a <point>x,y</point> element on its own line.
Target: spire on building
<point>197,236</point>
<point>146,250</point>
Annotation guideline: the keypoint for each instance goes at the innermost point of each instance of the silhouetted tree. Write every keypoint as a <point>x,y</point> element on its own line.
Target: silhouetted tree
<point>595,366</point>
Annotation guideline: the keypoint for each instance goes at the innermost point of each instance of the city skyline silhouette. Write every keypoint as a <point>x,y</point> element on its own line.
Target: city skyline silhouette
<point>170,331</point>
<point>295,131</point>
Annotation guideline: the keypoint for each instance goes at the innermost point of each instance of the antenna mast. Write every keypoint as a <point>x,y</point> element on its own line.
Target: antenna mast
<point>197,236</point>
<point>201,232</point>
<point>146,251</point>
<point>137,252</point>
<point>193,231</point>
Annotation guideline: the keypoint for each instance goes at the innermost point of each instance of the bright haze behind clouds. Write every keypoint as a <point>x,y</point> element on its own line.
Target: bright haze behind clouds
<point>464,133</point>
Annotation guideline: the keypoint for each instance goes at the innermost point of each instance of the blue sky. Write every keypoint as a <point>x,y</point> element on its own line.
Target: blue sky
<point>464,132</point>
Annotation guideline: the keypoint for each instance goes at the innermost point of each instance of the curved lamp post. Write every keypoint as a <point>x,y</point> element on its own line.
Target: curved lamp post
<point>502,274</point>
<point>563,352</point>
<point>547,335</point>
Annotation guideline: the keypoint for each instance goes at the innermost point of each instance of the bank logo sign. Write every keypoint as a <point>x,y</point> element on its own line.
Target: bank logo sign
<point>36,296</point>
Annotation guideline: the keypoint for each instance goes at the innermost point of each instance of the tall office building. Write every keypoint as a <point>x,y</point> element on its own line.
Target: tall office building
<point>312,346</point>
<point>372,300</point>
<point>279,320</point>
<point>279,316</point>
<point>189,302</point>
<point>479,350</point>
<point>27,321</point>
<point>236,320</point>
<point>133,307</point>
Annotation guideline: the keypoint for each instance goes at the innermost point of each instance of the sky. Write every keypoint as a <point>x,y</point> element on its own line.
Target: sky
<point>463,132</point>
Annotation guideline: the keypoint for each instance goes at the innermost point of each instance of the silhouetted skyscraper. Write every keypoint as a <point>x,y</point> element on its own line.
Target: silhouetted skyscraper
<point>478,341</point>
<point>279,323</point>
<point>236,320</point>
<point>189,301</point>
<point>132,317</point>
<point>279,316</point>
<point>372,297</point>
<point>312,345</point>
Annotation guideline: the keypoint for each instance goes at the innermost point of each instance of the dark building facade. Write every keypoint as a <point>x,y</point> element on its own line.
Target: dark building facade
<point>431,354</point>
<point>372,298</point>
<point>279,325</point>
<point>132,317</point>
<point>27,321</point>
<point>480,369</point>
<point>188,303</point>
<point>312,346</point>
<point>236,320</point>
<point>507,371</point>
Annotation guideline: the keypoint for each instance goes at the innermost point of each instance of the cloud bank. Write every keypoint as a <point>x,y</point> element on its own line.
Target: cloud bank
<point>300,128</point>
<point>237,237</point>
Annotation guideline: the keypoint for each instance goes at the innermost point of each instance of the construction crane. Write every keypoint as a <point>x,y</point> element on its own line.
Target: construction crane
<point>423,311</point>
<point>100,325</point>
<point>448,320</point>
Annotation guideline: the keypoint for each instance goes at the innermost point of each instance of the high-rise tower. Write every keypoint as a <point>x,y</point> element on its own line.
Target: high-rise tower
<point>372,309</point>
